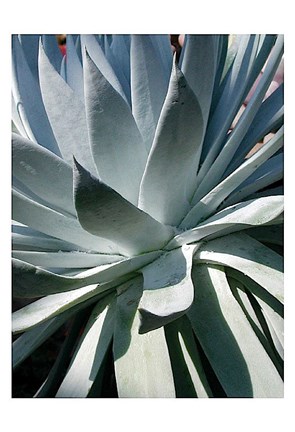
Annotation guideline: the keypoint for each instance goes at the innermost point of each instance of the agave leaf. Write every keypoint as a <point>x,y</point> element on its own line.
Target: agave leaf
<point>74,76</point>
<point>121,52</point>
<point>65,259</point>
<point>91,350</point>
<point>55,304</point>
<point>52,50</point>
<point>229,101</point>
<point>214,198</point>
<point>28,100</point>
<point>66,113</point>
<point>167,288</point>
<point>116,66</point>
<point>162,46</point>
<point>234,351</point>
<point>255,318</point>
<point>189,376</point>
<point>30,46</point>
<point>114,137</point>
<point>145,355</point>
<point>43,172</point>
<point>28,342</point>
<point>269,117</point>
<point>217,168</point>
<point>53,223</point>
<point>96,53</point>
<point>103,212</point>
<point>171,162</point>
<point>268,234</point>
<point>199,70</point>
<point>240,252</point>
<point>33,281</point>
<point>234,218</point>
<point>268,173</point>
<point>149,85</point>
<point>270,306</point>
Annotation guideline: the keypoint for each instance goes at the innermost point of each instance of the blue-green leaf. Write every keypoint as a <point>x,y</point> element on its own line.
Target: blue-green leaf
<point>171,165</point>
<point>167,288</point>
<point>103,212</point>
<point>239,360</point>
<point>145,355</point>
<point>114,137</point>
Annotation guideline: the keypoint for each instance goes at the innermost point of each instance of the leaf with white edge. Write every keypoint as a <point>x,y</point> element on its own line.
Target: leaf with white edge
<point>91,350</point>
<point>249,257</point>
<point>56,304</point>
<point>239,360</point>
<point>189,376</point>
<point>149,85</point>
<point>171,163</point>
<point>66,113</point>
<point>53,223</point>
<point>43,172</point>
<point>32,281</point>
<point>234,218</point>
<point>63,260</point>
<point>209,203</point>
<point>114,137</point>
<point>168,290</point>
<point>103,212</point>
<point>145,355</point>
<point>28,101</point>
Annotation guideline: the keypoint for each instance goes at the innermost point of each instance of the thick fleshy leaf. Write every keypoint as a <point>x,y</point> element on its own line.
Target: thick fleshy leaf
<point>167,288</point>
<point>28,342</point>
<point>216,169</point>
<point>103,212</point>
<point>74,76</point>
<point>235,218</point>
<point>114,137</point>
<point>52,305</point>
<point>52,50</point>
<point>189,376</point>
<point>28,100</point>
<point>91,350</point>
<point>30,45</point>
<point>170,173</point>
<point>149,85</point>
<point>66,113</point>
<point>96,53</point>
<point>43,172</point>
<point>53,223</point>
<point>199,70</point>
<point>32,281</point>
<point>145,355</point>
<point>248,256</point>
<point>207,205</point>
<point>230,344</point>
<point>64,260</point>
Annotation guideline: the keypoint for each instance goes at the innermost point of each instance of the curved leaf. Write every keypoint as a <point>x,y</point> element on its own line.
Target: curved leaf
<point>171,163</point>
<point>43,172</point>
<point>53,223</point>
<point>248,256</point>
<point>234,351</point>
<point>114,137</point>
<point>91,350</point>
<point>66,113</point>
<point>241,216</point>
<point>145,355</point>
<point>103,212</point>
<point>167,288</point>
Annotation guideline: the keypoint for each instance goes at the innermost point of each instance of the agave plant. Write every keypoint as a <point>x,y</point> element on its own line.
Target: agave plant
<point>141,226</point>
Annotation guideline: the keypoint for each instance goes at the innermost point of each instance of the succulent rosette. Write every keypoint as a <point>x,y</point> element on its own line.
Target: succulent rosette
<point>140,223</point>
